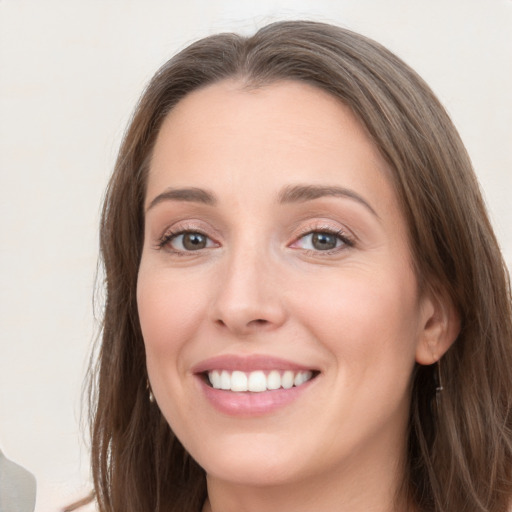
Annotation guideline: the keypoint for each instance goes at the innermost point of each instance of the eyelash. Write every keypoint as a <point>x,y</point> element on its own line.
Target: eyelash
<point>347,241</point>
<point>169,236</point>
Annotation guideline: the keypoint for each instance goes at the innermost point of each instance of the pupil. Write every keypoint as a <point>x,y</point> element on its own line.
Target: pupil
<point>324,241</point>
<point>194,241</point>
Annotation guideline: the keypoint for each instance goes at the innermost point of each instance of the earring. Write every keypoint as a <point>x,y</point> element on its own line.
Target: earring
<point>438,383</point>
<point>150,392</point>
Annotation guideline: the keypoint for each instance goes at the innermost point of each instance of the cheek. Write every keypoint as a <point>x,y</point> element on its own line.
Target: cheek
<point>169,312</point>
<point>367,320</point>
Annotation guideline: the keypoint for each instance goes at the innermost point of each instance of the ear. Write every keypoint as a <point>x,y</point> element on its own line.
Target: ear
<point>439,327</point>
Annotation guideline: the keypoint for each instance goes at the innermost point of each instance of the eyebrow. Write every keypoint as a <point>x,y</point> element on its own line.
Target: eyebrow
<point>290,194</point>
<point>191,195</point>
<point>303,193</point>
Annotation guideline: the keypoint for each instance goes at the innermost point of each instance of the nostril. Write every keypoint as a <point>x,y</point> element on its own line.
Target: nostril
<point>243,326</point>
<point>245,323</point>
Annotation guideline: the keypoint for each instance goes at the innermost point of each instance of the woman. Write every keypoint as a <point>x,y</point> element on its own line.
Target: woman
<point>306,306</point>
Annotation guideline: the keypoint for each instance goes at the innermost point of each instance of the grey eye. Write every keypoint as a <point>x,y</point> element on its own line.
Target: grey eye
<point>324,241</point>
<point>320,241</point>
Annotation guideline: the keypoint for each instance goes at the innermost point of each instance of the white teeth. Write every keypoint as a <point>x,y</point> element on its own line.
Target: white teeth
<point>215,379</point>
<point>287,380</point>
<point>274,380</point>
<point>301,377</point>
<point>225,380</point>
<point>257,381</point>
<point>238,381</point>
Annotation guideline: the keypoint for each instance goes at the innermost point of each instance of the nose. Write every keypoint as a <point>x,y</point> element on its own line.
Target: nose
<point>249,296</point>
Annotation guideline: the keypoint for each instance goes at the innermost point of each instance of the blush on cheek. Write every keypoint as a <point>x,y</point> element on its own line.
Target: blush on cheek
<point>365,315</point>
<point>168,314</point>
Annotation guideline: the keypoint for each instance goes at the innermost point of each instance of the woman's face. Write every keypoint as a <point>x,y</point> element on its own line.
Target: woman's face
<point>276,259</point>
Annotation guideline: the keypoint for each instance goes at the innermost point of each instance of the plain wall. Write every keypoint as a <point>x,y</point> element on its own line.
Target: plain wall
<point>70,74</point>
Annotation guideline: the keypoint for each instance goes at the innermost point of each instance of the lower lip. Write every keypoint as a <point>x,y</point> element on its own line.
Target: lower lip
<point>252,404</point>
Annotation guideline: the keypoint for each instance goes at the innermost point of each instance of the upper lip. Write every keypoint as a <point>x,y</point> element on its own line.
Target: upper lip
<point>248,363</point>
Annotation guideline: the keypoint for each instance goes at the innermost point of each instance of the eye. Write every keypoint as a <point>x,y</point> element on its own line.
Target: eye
<point>322,241</point>
<point>186,241</point>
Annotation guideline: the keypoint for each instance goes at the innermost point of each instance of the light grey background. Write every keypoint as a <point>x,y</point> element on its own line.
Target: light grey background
<point>70,73</point>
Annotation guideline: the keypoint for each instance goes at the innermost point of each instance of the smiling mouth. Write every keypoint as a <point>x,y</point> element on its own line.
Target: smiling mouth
<point>257,381</point>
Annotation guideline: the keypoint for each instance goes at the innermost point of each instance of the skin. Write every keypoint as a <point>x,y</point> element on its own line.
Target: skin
<point>259,286</point>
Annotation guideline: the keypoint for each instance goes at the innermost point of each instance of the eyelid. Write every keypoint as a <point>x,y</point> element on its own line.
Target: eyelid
<point>172,236</point>
<point>347,238</point>
<point>171,232</point>
<point>183,227</point>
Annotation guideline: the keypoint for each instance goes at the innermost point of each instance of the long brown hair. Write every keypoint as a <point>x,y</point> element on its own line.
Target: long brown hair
<point>459,452</point>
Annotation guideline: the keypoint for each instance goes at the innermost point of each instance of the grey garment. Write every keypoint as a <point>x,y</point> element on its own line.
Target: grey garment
<point>17,487</point>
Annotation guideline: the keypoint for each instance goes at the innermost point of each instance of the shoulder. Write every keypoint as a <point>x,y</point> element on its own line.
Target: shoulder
<point>17,487</point>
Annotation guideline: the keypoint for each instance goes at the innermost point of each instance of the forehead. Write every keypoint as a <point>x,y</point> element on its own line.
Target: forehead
<point>265,103</point>
<point>284,126</point>
<point>293,111</point>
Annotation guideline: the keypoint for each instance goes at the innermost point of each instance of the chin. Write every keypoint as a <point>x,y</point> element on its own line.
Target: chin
<point>252,463</point>
<point>250,472</point>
